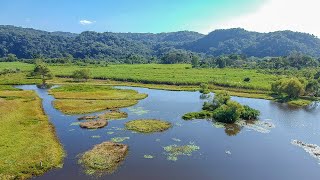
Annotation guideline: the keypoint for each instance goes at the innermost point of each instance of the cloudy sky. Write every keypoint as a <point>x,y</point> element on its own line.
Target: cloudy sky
<point>162,15</point>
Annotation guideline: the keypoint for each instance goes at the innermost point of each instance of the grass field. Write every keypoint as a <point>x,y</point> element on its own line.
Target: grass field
<point>28,145</point>
<point>176,74</point>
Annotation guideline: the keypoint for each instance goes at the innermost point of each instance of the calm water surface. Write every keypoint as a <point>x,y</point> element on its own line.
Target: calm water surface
<point>254,155</point>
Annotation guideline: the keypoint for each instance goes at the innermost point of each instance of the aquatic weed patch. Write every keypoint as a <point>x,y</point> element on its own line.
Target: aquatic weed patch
<point>258,126</point>
<point>173,151</point>
<point>148,156</point>
<point>138,110</point>
<point>119,139</point>
<point>103,158</point>
<point>312,149</point>
<point>148,125</point>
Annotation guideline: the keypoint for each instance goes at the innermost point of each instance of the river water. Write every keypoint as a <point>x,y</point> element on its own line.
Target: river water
<point>240,153</point>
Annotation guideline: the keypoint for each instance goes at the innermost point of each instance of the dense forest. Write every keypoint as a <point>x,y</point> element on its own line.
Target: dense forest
<point>175,47</point>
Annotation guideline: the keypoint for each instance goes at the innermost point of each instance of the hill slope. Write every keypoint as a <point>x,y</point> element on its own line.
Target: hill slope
<point>26,42</point>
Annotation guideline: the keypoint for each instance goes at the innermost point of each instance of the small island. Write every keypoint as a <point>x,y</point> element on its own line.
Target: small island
<point>223,109</point>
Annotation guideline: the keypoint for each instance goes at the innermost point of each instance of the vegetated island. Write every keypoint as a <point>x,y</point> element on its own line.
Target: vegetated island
<point>224,110</point>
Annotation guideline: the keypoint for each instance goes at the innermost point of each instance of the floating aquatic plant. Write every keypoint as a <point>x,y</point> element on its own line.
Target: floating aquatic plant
<point>173,151</point>
<point>147,156</point>
<point>176,139</point>
<point>312,149</point>
<point>95,136</point>
<point>119,139</point>
<point>157,140</point>
<point>138,110</point>
<point>71,130</point>
<point>258,126</point>
<point>110,132</point>
<point>75,124</point>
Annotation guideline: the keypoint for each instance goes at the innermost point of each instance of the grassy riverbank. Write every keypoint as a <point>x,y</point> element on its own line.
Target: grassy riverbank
<point>28,145</point>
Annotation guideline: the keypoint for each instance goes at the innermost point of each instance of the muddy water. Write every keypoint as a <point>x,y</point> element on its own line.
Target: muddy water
<point>243,154</point>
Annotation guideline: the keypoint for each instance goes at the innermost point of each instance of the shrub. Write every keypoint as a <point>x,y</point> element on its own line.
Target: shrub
<point>197,115</point>
<point>204,88</point>
<point>81,74</point>
<point>249,113</point>
<point>293,88</point>
<point>247,79</point>
<point>228,113</point>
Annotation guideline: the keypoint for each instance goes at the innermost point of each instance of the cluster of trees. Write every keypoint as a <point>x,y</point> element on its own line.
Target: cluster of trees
<point>227,111</point>
<point>223,109</point>
<point>240,41</point>
<point>167,48</point>
<point>294,88</point>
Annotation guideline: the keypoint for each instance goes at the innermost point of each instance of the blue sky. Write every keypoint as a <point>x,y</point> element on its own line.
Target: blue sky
<point>147,15</point>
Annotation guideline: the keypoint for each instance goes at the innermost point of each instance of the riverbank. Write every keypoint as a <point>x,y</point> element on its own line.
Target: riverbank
<point>29,146</point>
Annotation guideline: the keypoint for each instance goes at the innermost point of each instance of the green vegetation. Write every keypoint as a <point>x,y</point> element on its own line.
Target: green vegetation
<point>80,99</point>
<point>198,115</point>
<point>73,106</point>
<point>119,139</point>
<point>28,143</point>
<point>148,125</point>
<point>90,92</point>
<point>173,151</point>
<point>113,114</point>
<point>104,158</point>
<point>146,47</point>
<point>222,109</point>
<point>81,75</point>
<point>42,70</point>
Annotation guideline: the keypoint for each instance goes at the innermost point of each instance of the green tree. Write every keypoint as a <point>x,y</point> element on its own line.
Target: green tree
<point>11,58</point>
<point>42,70</point>
<point>228,113</point>
<point>81,74</point>
<point>293,88</point>
<point>195,61</point>
<point>313,88</point>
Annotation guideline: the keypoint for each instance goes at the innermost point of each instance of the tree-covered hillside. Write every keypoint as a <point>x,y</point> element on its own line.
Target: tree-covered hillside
<point>240,41</point>
<point>27,43</point>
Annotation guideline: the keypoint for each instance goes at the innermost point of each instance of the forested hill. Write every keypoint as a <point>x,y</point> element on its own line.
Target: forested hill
<point>240,41</point>
<point>26,43</point>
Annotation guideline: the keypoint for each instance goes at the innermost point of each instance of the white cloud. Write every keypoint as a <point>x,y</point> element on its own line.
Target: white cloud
<point>86,22</point>
<point>275,15</point>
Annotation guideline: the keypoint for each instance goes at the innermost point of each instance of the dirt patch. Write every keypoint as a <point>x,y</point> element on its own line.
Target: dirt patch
<point>104,158</point>
<point>94,124</point>
<point>87,118</point>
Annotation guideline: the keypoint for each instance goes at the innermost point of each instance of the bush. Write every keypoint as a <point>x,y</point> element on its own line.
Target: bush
<point>81,74</point>
<point>228,113</point>
<point>197,115</point>
<point>249,113</point>
<point>293,88</point>
<point>246,79</point>
<point>204,88</point>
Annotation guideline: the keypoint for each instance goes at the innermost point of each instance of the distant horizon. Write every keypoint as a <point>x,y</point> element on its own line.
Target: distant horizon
<point>158,32</point>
